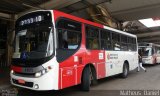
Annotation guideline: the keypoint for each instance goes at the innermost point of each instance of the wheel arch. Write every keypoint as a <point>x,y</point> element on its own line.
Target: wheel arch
<point>126,62</point>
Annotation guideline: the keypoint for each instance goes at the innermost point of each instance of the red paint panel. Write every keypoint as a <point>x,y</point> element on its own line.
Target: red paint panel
<point>58,14</point>
<point>94,57</point>
<point>16,69</point>
<point>101,70</point>
<point>79,74</point>
<point>68,77</point>
<point>66,80</point>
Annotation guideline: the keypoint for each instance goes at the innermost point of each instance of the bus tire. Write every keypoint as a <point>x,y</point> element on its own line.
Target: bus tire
<point>85,81</point>
<point>94,76</point>
<point>125,72</point>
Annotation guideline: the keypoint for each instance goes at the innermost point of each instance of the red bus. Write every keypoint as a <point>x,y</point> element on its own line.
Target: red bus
<point>55,50</point>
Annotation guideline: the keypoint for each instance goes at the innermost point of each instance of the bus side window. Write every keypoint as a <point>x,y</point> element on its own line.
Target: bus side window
<point>132,44</point>
<point>68,39</point>
<point>62,39</point>
<point>105,39</point>
<point>158,52</point>
<point>116,41</point>
<point>73,40</point>
<point>69,34</point>
<point>95,44</point>
<point>92,38</point>
<point>124,46</point>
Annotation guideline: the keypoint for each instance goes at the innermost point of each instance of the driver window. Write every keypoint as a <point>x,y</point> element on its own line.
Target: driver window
<point>69,34</point>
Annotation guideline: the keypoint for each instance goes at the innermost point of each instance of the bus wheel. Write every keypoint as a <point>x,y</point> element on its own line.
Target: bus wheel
<point>86,79</point>
<point>93,76</point>
<point>124,74</point>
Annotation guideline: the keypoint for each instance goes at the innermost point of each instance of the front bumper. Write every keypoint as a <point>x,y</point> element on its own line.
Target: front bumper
<point>147,61</point>
<point>45,82</point>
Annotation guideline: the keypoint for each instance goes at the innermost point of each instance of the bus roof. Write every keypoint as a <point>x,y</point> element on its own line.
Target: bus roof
<point>119,31</point>
<point>59,13</point>
<point>144,44</point>
<point>91,23</point>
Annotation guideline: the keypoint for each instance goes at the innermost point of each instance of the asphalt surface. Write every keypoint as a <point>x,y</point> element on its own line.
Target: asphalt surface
<point>111,86</point>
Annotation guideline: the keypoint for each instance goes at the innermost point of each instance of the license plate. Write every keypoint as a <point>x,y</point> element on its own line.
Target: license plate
<point>21,81</point>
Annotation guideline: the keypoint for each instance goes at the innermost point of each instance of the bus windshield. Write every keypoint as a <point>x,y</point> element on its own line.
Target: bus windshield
<point>33,42</point>
<point>145,51</point>
<point>34,37</point>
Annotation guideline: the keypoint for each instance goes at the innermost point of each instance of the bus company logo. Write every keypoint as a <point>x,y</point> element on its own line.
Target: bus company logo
<point>112,56</point>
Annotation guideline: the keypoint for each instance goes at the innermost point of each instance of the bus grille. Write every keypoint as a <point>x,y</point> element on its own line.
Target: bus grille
<point>32,75</point>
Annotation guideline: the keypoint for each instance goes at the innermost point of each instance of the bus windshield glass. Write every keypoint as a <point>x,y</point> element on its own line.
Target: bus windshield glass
<point>34,36</point>
<point>145,51</point>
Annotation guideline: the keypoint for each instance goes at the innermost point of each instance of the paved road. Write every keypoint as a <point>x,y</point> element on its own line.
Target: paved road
<point>149,80</point>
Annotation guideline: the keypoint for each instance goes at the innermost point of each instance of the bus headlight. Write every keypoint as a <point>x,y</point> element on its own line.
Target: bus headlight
<point>38,74</point>
<point>12,72</point>
<point>42,72</point>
